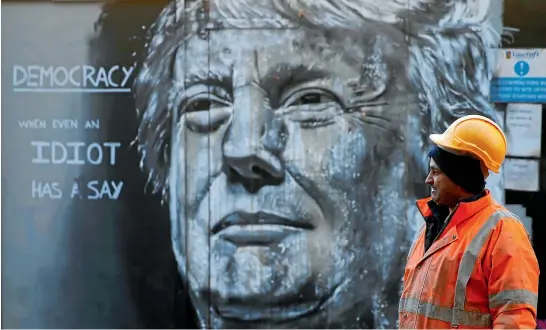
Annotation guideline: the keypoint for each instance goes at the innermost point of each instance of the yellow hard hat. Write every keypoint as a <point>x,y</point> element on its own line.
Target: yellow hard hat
<point>477,135</point>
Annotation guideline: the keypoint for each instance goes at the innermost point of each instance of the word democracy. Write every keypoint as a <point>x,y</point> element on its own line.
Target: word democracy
<point>35,76</point>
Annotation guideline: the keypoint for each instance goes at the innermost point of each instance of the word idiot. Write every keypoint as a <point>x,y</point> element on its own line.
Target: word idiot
<point>74,153</point>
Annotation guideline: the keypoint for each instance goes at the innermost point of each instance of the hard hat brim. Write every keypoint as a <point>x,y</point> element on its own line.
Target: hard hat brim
<point>438,139</point>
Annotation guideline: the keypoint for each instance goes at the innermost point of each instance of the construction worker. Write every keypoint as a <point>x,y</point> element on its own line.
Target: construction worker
<point>472,265</point>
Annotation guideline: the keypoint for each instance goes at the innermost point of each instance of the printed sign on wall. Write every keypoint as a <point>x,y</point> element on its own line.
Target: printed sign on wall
<point>524,129</point>
<point>520,76</point>
<point>521,174</point>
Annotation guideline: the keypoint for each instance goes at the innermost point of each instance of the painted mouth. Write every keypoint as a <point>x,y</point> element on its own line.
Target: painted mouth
<point>260,228</point>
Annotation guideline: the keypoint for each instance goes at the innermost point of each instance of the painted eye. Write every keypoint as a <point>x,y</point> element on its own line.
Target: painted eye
<point>206,114</point>
<point>312,98</point>
<point>312,108</point>
<point>199,105</point>
<point>204,105</point>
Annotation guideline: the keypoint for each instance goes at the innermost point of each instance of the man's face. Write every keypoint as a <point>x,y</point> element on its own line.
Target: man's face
<point>287,186</point>
<point>442,190</point>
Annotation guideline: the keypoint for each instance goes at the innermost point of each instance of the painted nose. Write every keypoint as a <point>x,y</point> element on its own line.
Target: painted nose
<point>254,142</point>
<point>256,166</point>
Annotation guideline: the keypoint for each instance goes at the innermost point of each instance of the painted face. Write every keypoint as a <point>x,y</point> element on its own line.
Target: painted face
<point>288,194</point>
<point>442,190</point>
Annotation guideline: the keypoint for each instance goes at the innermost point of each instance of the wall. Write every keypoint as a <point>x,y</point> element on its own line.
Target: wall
<point>308,119</point>
<point>528,18</point>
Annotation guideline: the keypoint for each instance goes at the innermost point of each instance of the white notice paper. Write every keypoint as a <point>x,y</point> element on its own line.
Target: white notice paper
<point>521,174</point>
<point>524,129</point>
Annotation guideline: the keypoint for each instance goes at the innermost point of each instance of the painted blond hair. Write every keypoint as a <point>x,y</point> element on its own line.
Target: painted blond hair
<point>450,46</point>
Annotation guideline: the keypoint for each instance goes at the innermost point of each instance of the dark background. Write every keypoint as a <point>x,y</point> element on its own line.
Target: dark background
<point>73,263</point>
<point>156,289</point>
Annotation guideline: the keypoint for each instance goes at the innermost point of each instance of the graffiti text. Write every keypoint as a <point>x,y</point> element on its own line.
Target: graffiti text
<point>74,153</point>
<point>79,76</point>
<point>96,189</point>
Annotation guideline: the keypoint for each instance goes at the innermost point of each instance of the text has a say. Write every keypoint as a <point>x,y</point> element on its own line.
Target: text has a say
<point>94,189</point>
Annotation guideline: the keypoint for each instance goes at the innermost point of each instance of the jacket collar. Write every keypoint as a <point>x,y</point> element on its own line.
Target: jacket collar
<point>464,210</point>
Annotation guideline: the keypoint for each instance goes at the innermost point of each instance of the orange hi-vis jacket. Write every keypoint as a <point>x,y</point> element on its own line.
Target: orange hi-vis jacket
<point>480,272</point>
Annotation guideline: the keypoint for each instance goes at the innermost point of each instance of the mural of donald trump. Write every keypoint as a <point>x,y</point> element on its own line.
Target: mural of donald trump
<point>289,140</point>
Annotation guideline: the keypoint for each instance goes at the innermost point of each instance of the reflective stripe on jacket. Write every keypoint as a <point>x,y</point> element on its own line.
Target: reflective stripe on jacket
<point>481,272</point>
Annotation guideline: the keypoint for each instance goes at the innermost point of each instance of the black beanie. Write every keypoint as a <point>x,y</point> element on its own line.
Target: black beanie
<point>464,171</point>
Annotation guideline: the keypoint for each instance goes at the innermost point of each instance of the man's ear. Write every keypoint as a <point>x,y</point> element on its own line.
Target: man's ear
<point>485,170</point>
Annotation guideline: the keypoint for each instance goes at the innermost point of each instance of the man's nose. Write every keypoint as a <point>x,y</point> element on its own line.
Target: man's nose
<point>254,142</point>
<point>429,180</point>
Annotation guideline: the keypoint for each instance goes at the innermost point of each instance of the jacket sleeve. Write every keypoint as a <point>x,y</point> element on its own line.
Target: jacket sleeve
<point>513,277</point>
